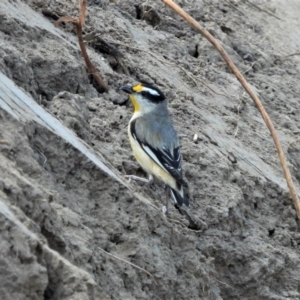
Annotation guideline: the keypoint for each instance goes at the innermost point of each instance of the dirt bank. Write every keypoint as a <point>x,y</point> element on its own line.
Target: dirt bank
<point>58,210</point>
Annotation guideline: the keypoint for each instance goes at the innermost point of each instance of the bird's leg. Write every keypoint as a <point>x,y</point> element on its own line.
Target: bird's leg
<point>165,208</point>
<point>133,177</point>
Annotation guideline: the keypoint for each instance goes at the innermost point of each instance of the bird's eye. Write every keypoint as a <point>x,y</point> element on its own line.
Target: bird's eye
<point>144,93</point>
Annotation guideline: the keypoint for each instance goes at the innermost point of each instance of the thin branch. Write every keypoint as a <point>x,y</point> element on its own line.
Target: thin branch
<point>293,54</point>
<point>83,5</point>
<point>222,282</point>
<point>263,10</point>
<point>251,93</point>
<point>78,24</point>
<point>129,263</point>
<point>41,153</point>
<point>234,7</point>
<point>252,65</point>
<point>238,116</point>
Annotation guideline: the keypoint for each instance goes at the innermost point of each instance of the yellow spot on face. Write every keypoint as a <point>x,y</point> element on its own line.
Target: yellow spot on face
<point>135,103</point>
<point>137,88</point>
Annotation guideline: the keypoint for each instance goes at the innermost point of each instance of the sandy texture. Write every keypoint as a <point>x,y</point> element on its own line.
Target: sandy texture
<point>58,210</point>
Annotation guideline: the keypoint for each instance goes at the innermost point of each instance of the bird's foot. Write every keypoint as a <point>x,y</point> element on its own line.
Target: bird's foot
<point>133,177</point>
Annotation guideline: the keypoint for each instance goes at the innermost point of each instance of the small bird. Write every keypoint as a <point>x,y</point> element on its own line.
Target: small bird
<point>154,141</point>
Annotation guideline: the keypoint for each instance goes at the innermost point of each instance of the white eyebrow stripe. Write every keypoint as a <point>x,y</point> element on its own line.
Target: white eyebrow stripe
<point>151,91</point>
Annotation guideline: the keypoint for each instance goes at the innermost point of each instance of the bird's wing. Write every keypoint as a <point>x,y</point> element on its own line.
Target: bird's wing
<point>166,155</point>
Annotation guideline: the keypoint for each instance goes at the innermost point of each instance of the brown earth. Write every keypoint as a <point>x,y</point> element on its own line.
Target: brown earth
<point>58,210</point>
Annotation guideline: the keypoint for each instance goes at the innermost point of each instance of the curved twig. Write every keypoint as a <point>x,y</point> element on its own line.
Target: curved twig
<point>251,93</point>
<point>263,10</point>
<point>78,24</point>
<point>129,263</point>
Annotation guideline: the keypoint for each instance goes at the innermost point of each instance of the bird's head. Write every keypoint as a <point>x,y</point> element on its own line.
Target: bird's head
<point>145,97</point>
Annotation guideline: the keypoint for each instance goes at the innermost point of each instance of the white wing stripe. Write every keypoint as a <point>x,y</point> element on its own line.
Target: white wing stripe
<point>167,156</point>
<point>174,198</point>
<point>153,156</point>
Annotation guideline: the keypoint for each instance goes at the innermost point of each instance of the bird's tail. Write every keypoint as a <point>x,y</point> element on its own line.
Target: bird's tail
<point>180,197</point>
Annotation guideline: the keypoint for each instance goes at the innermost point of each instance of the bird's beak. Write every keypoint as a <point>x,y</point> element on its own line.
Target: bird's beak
<point>127,89</point>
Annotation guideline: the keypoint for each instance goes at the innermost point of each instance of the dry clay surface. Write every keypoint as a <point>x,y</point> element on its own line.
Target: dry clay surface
<point>58,211</point>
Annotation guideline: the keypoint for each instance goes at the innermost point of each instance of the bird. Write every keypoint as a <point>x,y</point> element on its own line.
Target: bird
<point>154,141</point>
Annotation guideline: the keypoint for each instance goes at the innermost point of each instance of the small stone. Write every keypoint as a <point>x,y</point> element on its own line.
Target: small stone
<point>195,138</point>
<point>91,106</point>
<point>232,158</point>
